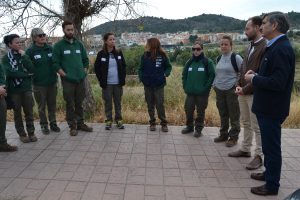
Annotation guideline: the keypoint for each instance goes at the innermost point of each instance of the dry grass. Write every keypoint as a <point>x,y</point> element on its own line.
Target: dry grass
<point>134,107</point>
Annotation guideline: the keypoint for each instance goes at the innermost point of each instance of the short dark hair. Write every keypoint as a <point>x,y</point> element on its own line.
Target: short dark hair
<point>66,22</point>
<point>256,20</point>
<point>279,18</point>
<point>227,37</point>
<point>9,38</point>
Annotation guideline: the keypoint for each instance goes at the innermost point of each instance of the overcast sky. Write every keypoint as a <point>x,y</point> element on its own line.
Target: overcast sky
<point>179,9</point>
<point>241,9</point>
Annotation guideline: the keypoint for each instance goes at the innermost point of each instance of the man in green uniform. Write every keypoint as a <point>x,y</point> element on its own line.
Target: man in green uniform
<point>70,61</point>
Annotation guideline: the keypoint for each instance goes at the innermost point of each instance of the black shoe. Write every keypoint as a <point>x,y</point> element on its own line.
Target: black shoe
<point>263,191</point>
<point>45,129</point>
<point>198,132</point>
<point>108,125</point>
<point>54,128</point>
<point>258,176</point>
<point>120,124</point>
<point>187,130</point>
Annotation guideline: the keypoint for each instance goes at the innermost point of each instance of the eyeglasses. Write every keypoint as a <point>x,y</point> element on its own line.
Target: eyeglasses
<point>196,49</point>
<point>42,35</point>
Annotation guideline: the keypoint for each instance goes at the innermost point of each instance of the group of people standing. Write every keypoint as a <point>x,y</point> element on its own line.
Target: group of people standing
<point>36,70</point>
<point>257,88</point>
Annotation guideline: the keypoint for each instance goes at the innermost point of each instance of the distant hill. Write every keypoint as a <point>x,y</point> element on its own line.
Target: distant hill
<point>205,23</point>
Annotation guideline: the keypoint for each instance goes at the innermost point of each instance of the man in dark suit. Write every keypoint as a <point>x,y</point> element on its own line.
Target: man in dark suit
<point>272,94</point>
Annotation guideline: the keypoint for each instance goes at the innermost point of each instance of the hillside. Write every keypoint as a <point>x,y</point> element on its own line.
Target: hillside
<point>203,23</point>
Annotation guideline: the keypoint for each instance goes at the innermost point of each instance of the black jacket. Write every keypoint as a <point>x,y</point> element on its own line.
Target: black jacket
<point>274,82</point>
<point>101,67</point>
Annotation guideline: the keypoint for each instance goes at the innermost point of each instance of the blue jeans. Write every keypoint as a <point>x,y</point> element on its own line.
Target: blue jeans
<point>271,146</point>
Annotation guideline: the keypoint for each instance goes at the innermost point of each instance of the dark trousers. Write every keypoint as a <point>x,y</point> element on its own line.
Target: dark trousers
<point>155,98</point>
<point>46,96</point>
<point>112,93</point>
<point>228,107</point>
<point>74,94</point>
<point>200,102</point>
<point>271,146</point>
<point>2,120</point>
<point>23,101</point>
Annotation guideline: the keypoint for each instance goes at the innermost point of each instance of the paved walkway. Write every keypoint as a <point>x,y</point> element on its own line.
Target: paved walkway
<point>134,164</point>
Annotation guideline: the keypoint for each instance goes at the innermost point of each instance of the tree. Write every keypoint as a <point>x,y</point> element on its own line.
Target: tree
<point>22,15</point>
<point>193,38</point>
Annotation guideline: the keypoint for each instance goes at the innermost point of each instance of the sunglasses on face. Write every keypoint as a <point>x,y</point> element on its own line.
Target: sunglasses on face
<point>196,49</point>
<point>42,35</point>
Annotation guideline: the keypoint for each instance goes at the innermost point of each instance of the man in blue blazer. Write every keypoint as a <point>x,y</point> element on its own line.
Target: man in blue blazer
<point>272,94</point>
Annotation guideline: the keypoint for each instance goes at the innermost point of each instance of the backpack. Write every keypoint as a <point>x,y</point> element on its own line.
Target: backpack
<point>205,62</point>
<point>233,61</point>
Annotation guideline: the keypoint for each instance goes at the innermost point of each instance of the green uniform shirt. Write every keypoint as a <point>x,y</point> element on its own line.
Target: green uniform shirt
<point>196,80</point>
<point>44,72</point>
<point>2,76</point>
<point>72,58</point>
<point>24,73</point>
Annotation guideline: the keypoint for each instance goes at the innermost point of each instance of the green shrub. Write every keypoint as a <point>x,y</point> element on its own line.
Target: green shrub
<point>133,58</point>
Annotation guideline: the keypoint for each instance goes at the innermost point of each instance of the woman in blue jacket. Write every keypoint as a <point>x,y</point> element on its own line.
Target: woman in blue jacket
<point>154,68</point>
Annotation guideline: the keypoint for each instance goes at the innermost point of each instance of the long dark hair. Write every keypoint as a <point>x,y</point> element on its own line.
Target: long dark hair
<point>154,47</point>
<point>105,38</point>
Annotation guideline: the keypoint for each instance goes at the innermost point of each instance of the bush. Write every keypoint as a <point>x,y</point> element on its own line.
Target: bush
<point>133,59</point>
<point>183,57</point>
<point>212,54</point>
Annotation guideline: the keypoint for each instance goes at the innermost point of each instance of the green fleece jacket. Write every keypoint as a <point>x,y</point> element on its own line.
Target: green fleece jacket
<point>41,57</point>
<point>72,58</point>
<point>24,72</point>
<point>2,76</point>
<point>196,80</point>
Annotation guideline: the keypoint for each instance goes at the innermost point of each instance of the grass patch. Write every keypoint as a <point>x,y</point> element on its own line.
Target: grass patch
<point>134,108</point>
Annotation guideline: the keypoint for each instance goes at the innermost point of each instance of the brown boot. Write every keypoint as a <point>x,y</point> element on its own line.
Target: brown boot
<point>239,153</point>
<point>7,148</point>
<point>152,127</point>
<point>24,138</point>
<point>32,138</point>
<point>263,191</point>
<point>255,163</point>
<point>231,142</point>
<point>164,128</point>
<point>73,131</point>
<point>221,138</point>
<point>84,127</point>
<point>260,176</point>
